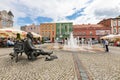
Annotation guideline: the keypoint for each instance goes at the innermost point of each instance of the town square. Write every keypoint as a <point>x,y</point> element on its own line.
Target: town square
<point>59,40</point>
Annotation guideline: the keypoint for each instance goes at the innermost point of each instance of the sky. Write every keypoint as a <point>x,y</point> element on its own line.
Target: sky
<point>27,12</point>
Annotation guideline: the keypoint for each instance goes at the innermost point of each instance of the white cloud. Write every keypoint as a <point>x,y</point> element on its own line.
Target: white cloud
<point>59,9</point>
<point>98,10</point>
<point>53,8</point>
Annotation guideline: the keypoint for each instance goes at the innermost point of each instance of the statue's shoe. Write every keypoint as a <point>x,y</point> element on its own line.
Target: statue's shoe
<point>12,54</point>
<point>50,53</point>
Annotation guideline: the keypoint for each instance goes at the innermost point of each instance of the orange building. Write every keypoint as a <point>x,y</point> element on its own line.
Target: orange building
<point>48,31</point>
<point>93,31</point>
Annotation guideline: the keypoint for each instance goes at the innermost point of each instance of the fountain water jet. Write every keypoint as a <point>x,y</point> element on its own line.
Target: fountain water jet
<point>71,43</point>
<point>56,45</point>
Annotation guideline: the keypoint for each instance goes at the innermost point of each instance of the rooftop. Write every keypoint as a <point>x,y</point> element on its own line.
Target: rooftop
<point>88,25</point>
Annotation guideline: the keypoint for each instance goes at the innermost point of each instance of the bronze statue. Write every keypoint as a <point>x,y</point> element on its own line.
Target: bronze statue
<point>29,49</point>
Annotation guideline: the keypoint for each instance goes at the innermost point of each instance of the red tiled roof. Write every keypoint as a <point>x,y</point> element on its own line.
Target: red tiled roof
<point>88,26</point>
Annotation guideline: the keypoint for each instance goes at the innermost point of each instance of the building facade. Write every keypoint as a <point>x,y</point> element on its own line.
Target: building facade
<point>6,19</point>
<point>63,30</point>
<point>113,23</point>
<point>31,28</point>
<point>90,31</point>
<point>48,31</point>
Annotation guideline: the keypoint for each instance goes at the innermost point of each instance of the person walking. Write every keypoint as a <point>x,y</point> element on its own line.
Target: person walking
<point>103,43</point>
<point>106,45</point>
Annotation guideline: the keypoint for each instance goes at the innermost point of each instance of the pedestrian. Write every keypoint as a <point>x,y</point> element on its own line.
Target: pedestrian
<point>106,45</point>
<point>103,43</point>
<point>10,42</point>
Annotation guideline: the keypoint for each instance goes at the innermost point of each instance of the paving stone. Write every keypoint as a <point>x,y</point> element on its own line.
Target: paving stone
<point>100,66</point>
<point>58,69</point>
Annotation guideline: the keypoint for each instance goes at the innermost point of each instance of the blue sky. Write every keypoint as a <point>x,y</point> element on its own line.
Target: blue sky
<point>75,14</point>
<point>38,20</point>
<point>27,12</point>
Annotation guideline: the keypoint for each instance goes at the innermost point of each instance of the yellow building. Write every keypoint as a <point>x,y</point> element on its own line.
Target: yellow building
<point>48,31</point>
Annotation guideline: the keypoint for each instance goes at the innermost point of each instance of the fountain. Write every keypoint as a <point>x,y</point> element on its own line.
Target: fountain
<point>74,44</point>
<point>56,45</point>
<point>71,43</point>
<point>89,43</point>
<point>82,41</point>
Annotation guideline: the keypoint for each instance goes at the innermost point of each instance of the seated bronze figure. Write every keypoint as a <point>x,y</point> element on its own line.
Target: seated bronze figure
<point>28,48</point>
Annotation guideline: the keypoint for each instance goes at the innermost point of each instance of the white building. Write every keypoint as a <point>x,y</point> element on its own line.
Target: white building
<point>6,19</point>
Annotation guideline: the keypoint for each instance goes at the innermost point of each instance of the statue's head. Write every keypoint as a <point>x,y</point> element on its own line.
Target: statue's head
<point>18,36</point>
<point>29,35</point>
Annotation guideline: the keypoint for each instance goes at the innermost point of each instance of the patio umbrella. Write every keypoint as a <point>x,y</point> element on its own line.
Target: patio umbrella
<point>3,34</point>
<point>13,32</point>
<point>117,36</point>
<point>35,35</point>
<point>8,32</point>
<point>110,36</point>
<point>22,33</point>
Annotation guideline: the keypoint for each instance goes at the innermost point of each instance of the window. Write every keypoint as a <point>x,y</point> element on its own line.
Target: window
<point>79,33</point>
<point>90,33</point>
<point>4,23</point>
<point>84,33</point>
<point>114,23</point>
<point>52,27</point>
<point>114,30</point>
<point>119,30</point>
<point>42,33</point>
<point>42,28</point>
<point>66,28</point>
<point>119,23</point>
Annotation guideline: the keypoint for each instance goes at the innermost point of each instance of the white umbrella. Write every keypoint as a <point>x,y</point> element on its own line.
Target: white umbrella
<point>35,35</point>
<point>117,36</point>
<point>109,36</point>
<point>13,32</point>
<point>6,33</point>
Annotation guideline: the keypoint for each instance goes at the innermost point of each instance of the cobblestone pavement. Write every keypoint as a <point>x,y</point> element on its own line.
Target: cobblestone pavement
<point>101,66</point>
<point>58,69</point>
<point>5,51</point>
<point>97,64</point>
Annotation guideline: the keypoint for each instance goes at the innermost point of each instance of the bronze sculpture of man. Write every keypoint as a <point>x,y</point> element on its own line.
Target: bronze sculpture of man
<point>31,50</point>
